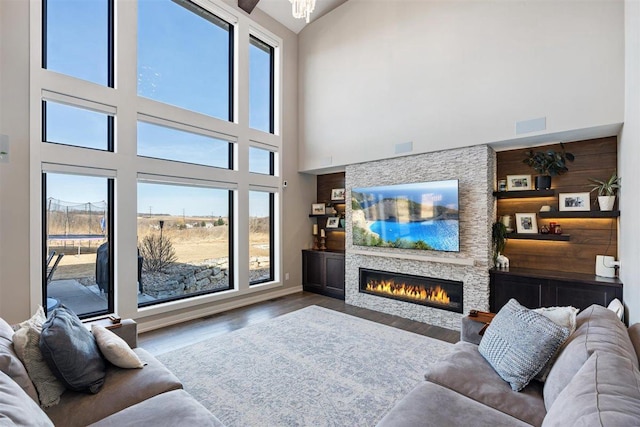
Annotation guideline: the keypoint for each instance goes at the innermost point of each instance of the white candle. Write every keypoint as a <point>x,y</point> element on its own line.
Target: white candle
<point>322,233</point>
<point>315,229</point>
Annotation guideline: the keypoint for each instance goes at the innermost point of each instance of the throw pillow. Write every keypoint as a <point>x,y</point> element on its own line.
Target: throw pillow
<point>26,345</point>
<point>519,342</point>
<point>10,363</point>
<point>563,316</point>
<point>71,352</point>
<point>16,409</point>
<point>115,349</point>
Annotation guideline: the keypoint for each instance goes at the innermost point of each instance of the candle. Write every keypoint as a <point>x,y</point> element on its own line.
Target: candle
<point>322,233</point>
<point>315,229</point>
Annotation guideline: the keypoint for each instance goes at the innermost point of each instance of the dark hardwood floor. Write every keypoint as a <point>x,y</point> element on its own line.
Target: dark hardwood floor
<point>173,337</point>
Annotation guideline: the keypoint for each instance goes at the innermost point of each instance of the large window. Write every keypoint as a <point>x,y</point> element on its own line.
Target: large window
<point>183,241</point>
<point>78,39</point>
<point>155,195</point>
<point>77,261</point>
<point>260,236</point>
<point>261,85</point>
<point>184,57</point>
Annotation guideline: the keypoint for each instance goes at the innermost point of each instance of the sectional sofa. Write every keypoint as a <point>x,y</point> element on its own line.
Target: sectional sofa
<point>594,381</point>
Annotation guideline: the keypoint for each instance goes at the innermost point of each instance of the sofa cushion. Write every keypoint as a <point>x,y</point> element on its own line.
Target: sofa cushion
<point>465,371</point>
<point>16,408</point>
<point>597,329</point>
<point>122,388</point>
<point>519,342</point>
<point>634,335</point>
<point>604,392</point>
<point>173,408</point>
<point>26,343</point>
<point>71,352</point>
<point>430,404</point>
<point>11,365</point>
<point>115,349</point>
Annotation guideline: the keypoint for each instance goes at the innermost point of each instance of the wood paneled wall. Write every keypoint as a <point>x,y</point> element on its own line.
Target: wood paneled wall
<point>596,158</point>
<point>326,183</point>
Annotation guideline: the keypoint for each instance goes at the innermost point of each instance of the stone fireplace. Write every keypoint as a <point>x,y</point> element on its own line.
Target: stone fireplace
<point>428,291</point>
<point>474,168</point>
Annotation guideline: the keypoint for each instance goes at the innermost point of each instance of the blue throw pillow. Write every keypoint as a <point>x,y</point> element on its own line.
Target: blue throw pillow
<point>71,352</point>
<point>519,342</point>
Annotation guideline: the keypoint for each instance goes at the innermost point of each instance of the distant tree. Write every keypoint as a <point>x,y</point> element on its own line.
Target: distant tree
<point>220,221</point>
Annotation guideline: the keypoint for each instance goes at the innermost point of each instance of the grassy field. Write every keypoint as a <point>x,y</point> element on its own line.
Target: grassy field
<point>195,239</point>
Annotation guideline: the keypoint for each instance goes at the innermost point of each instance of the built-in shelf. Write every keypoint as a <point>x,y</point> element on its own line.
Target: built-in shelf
<point>580,214</point>
<point>324,216</point>
<point>552,237</point>
<point>523,194</point>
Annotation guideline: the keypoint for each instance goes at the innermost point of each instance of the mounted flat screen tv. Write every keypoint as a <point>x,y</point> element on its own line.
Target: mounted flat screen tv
<point>423,215</point>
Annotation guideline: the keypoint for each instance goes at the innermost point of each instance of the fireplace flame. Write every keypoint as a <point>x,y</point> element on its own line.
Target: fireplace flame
<point>418,293</point>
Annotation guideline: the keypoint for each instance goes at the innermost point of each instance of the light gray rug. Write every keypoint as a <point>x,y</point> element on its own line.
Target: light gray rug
<point>312,367</point>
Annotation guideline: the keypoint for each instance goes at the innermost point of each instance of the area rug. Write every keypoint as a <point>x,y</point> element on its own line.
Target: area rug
<point>311,367</point>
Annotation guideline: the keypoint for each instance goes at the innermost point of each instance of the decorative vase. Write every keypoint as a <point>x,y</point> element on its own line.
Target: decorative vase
<point>543,182</point>
<point>606,202</point>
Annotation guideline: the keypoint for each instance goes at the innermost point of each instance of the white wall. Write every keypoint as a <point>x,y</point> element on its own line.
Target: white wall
<point>15,237</point>
<point>629,147</point>
<point>448,74</point>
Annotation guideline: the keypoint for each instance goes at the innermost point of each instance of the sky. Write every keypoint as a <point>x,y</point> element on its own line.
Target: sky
<point>183,61</point>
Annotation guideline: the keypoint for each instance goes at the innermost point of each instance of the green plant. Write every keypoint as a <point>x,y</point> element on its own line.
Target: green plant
<point>549,162</point>
<point>608,187</point>
<point>498,238</point>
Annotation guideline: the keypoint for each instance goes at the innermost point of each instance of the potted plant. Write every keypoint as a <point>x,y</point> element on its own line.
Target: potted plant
<point>548,163</point>
<point>606,191</point>
<point>498,239</point>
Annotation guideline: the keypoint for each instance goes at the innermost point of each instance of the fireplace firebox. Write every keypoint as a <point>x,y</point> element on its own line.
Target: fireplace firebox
<point>428,291</point>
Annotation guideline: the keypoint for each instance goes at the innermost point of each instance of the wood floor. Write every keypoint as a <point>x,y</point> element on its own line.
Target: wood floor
<point>173,337</point>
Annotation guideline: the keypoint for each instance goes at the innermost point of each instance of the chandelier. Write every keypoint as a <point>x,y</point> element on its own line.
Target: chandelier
<point>302,8</point>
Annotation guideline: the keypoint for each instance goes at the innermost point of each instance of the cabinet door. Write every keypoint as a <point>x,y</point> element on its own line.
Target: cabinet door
<point>526,291</point>
<point>582,296</point>
<point>312,269</point>
<point>335,275</point>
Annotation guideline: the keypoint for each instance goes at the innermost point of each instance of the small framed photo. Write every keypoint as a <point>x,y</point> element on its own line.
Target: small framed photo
<point>337,194</point>
<point>317,209</point>
<point>526,223</point>
<point>518,182</point>
<point>573,202</point>
<point>333,222</point>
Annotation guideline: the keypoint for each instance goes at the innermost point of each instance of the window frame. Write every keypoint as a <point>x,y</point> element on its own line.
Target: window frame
<point>266,47</point>
<point>272,229</point>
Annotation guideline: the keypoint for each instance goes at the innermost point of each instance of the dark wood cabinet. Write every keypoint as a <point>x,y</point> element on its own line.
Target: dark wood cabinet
<point>542,288</point>
<point>323,272</point>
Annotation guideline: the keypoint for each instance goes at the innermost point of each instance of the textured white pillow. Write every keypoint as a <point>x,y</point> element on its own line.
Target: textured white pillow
<point>617,307</point>
<point>115,349</point>
<point>26,343</point>
<point>563,316</point>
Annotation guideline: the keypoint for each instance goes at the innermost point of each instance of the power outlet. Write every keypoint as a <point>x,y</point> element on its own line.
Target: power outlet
<point>286,276</point>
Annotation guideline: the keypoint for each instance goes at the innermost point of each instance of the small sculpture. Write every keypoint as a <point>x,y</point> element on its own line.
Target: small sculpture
<point>502,261</point>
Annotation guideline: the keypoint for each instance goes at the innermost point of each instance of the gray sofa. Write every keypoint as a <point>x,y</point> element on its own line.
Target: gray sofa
<point>594,381</point>
<point>130,397</point>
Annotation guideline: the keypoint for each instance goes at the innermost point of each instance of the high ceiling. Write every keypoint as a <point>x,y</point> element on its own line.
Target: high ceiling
<point>280,10</point>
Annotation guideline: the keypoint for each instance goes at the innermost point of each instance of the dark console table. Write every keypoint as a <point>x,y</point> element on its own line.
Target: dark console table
<point>323,272</point>
<point>544,288</point>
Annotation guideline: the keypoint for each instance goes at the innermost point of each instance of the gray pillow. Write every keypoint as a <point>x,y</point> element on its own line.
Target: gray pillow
<point>16,409</point>
<point>71,352</point>
<point>519,342</point>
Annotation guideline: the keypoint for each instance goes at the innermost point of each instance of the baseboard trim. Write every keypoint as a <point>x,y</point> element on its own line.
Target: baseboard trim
<point>168,320</point>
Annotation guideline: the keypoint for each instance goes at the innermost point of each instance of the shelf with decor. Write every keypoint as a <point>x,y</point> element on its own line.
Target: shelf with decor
<point>524,194</point>
<point>580,214</point>
<point>532,236</point>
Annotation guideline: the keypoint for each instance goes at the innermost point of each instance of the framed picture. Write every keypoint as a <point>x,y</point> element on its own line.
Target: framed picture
<point>526,223</point>
<point>317,209</point>
<point>518,182</point>
<point>337,194</point>
<point>573,202</point>
<point>333,222</point>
